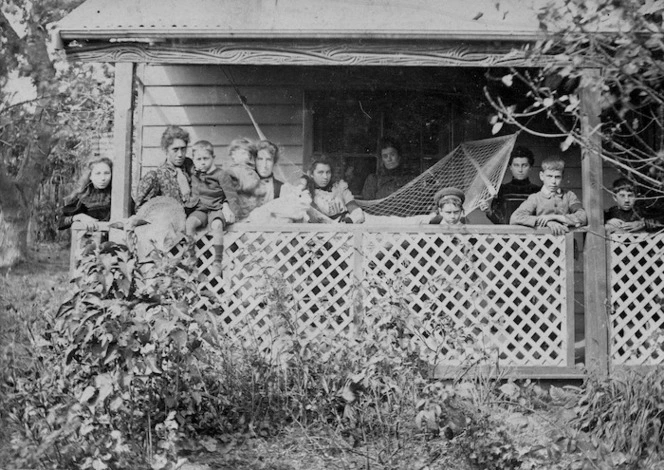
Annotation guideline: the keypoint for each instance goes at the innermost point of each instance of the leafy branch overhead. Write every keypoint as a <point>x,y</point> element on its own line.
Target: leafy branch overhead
<point>72,102</point>
<point>614,49</point>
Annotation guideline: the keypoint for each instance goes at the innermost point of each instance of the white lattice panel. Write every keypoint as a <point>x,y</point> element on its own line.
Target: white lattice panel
<point>508,291</point>
<point>637,285</point>
<point>314,268</point>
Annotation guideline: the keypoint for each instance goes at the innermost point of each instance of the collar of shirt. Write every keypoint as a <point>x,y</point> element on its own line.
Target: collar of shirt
<point>548,194</point>
<point>524,182</point>
<point>211,170</point>
<point>168,166</point>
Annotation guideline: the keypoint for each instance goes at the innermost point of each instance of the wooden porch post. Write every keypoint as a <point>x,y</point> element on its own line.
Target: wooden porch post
<point>307,133</point>
<point>122,134</point>
<point>594,260</point>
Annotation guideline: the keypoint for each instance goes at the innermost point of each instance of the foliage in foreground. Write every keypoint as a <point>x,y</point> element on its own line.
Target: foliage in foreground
<point>625,414</point>
<point>131,372</point>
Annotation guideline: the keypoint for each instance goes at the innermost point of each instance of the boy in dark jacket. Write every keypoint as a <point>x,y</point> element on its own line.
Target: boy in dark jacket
<point>625,216</point>
<point>512,194</point>
<point>208,204</point>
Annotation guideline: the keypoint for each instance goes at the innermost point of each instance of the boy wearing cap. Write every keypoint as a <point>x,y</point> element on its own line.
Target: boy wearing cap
<point>449,203</point>
<point>552,206</point>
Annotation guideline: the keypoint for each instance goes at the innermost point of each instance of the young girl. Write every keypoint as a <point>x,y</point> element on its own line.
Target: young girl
<point>91,201</point>
<point>332,199</point>
<point>449,203</point>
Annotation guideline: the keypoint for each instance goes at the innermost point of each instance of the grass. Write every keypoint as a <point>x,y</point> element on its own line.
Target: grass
<point>27,292</point>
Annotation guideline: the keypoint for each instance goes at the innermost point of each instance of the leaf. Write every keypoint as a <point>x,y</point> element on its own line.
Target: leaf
<point>651,6</point>
<point>159,461</point>
<point>116,403</point>
<point>87,394</point>
<point>86,428</point>
<point>162,327</point>
<point>209,443</point>
<point>508,79</point>
<point>566,144</point>
<point>496,127</point>
<point>98,464</point>
<point>558,394</point>
<point>111,354</point>
<point>630,69</point>
<point>418,419</point>
<point>179,311</point>
<point>510,389</point>
<point>179,337</point>
<point>347,393</point>
<point>104,383</point>
<point>151,363</point>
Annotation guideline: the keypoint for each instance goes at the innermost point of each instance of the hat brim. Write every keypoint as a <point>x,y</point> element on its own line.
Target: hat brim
<point>165,227</point>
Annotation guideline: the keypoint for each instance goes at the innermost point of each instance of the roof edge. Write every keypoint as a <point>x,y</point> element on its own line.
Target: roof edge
<point>397,35</point>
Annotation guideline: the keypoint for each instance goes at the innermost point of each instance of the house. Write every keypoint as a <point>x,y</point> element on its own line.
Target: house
<point>333,76</point>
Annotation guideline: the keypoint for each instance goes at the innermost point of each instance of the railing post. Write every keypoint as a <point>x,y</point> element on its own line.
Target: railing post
<point>594,260</point>
<point>74,250</point>
<point>122,136</point>
<point>358,273</point>
<point>569,304</point>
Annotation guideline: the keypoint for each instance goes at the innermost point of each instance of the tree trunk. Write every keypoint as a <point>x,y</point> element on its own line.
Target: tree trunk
<point>16,199</point>
<point>14,217</point>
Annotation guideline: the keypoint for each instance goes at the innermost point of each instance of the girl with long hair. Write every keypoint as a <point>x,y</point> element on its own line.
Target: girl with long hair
<point>90,202</point>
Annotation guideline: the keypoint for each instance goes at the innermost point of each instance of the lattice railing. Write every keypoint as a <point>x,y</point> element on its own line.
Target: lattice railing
<point>511,292</point>
<point>509,289</point>
<point>636,280</point>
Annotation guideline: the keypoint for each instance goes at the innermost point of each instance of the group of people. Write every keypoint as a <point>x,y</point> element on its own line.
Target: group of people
<point>214,197</point>
<point>521,202</point>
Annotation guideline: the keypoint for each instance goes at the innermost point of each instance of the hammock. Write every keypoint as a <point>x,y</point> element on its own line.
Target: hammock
<point>477,168</point>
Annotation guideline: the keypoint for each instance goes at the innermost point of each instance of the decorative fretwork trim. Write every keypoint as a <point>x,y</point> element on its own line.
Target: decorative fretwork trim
<point>251,53</point>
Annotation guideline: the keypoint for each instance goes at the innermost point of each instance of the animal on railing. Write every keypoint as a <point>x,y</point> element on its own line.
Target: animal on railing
<point>293,207</point>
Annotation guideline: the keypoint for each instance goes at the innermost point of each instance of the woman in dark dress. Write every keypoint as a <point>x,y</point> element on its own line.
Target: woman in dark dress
<point>391,176</point>
<point>91,201</point>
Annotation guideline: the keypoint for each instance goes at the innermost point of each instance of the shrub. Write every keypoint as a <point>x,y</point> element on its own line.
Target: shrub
<point>625,413</point>
<point>121,356</point>
<point>488,446</point>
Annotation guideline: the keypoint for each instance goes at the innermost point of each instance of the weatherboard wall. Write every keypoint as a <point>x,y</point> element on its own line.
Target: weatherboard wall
<point>202,100</point>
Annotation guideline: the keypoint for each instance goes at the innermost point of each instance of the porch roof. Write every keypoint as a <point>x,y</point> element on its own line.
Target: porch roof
<point>466,20</point>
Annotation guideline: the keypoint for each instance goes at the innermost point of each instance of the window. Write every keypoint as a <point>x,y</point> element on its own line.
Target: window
<point>348,124</point>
